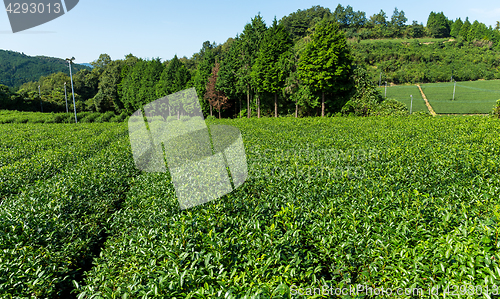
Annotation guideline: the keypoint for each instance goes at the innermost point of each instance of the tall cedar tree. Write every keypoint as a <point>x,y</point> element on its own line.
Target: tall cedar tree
<point>250,42</point>
<point>325,65</point>
<point>149,79</point>
<point>215,97</point>
<point>455,28</point>
<point>130,86</point>
<point>107,97</point>
<point>438,25</point>
<point>228,76</point>
<point>465,30</point>
<point>174,78</point>
<point>203,71</point>
<point>267,72</point>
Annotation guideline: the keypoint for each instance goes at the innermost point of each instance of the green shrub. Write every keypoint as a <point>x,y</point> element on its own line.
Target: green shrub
<point>105,117</point>
<point>496,110</point>
<point>119,118</point>
<point>391,107</point>
<point>421,114</point>
<point>90,118</point>
<point>366,98</point>
<point>59,117</point>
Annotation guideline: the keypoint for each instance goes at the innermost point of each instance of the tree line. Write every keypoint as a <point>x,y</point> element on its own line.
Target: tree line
<point>302,65</point>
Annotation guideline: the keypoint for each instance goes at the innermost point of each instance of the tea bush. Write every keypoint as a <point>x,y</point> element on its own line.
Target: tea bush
<point>68,145</point>
<point>384,202</point>
<point>50,231</point>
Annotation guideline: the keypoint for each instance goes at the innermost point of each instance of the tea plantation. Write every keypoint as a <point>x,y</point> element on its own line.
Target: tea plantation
<point>470,96</point>
<point>382,202</point>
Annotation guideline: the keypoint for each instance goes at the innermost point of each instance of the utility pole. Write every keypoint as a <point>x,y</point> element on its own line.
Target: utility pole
<point>70,61</point>
<point>66,97</point>
<point>380,80</point>
<point>411,103</point>
<point>454,86</point>
<point>386,89</point>
<point>40,96</point>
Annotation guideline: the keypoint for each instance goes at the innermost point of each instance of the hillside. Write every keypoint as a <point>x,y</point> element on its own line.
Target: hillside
<point>18,68</point>
<point>427,60</point>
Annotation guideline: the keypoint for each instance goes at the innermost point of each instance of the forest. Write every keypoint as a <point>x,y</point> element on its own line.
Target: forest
<point>311,62</point>
<point>18,68</point>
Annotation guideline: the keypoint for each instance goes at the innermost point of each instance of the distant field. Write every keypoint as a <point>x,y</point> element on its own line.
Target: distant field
<point>470,97</point>
<point>402,93</point>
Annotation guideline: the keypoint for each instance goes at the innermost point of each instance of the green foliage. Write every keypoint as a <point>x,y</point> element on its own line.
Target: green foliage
<point>455,28</point>
<point>403,94</point>
<point>298,23</point>
<point>348,18</point>
<point>496,110</point>
<point>207,61</point>
<point>174,78</point>
<point>10,116</point>
<point>254,66</point>
<point>325,64</point>
<point>398,22</point>
<point>107,97</point>
<point>268,74</point>
<point>366,99</point>
<point>102,61</point>
<point>427,61</point>
<point>383,202</point>
<point>438,25</point>
<point>269,71</point>
<point>465,30</point>
<point>139,84</point>
<point>51,228</point>
<point>391,107</point>
<point>231,65</point>
<point>421,114</point>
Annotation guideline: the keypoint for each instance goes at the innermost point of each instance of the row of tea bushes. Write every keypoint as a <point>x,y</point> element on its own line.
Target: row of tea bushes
<point>9,116</point>
<point>23,141</point>
<point>50,231</point>
<point>382,202</point>
<point>53,149</point>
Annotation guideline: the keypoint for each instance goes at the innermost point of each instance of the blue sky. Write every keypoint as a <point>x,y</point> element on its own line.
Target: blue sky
<point>162,29</point>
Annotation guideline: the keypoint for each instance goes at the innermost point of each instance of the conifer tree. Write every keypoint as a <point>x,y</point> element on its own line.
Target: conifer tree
<point>268,73</point>
<point>325,65</point>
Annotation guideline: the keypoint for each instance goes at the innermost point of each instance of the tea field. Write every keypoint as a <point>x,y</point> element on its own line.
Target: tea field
<point>338,202</point>
<point>403,94</point>
<point>470,97</point>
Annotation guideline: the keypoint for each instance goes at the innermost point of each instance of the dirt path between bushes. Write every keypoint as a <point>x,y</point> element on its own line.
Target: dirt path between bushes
<point>431,111</point>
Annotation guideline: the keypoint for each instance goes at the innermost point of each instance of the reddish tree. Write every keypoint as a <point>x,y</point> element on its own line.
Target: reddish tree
<point>215,97</point>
